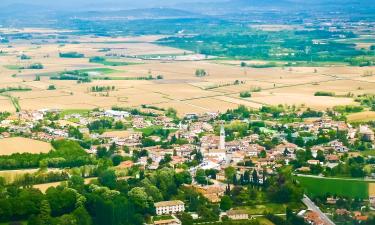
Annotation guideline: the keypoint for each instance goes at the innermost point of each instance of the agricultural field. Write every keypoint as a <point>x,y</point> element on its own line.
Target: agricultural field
<point>23,145</point>
<point>338,186</point>
<point>132,64</point>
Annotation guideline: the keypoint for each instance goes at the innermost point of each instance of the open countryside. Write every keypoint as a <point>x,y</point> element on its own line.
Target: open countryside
<point>187,112</point>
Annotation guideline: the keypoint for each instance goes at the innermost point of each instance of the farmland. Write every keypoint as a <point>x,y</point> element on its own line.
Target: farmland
<point>145,72</point>
<point>22,145</point>
<point>342,187</point>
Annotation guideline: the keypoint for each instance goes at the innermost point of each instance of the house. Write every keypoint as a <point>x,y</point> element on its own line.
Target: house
<point>169,207</point>
<point>118,115</point>
<point>338,146</point>
<point>342,212</point>
<point>372,194</point>
<point>331,200</point>
<point>314,218</point>
<point>304,169</point>
<point>332,158</point>
<point>184,150</point>
<point>366,133</point>
<point>213,193</point>
<point>218,154</point>
<point>313,162</point>
<point>254,149</point>
<point>125,164</point>
<point>358,216</point>
<point>210,164</point>
<point>220,176</point>
<point>289,147</point>
<point>238,215</point>
<point>171,221</point>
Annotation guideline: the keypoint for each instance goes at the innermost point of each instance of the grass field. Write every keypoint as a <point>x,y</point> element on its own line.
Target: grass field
<point>273,208</point>
<point>321,186</point>
<point>74,111</point>
<point>368,153</point>
<point>99,70</point>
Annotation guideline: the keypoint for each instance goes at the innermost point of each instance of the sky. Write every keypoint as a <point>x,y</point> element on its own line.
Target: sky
<point>82,5</point>
<point>106,3</point>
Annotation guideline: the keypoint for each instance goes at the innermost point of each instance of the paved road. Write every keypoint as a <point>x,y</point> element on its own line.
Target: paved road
<point>311,206</point>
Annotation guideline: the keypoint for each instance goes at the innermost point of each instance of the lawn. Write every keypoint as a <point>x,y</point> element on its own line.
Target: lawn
<point>368,153</point>
<point>264,221</point>
<point>99,70</point>
<point>162,217</point>
<point>343,187</point>
<point>81,112</point>
<point>12,67</point>
<point>274,208</point>
<point>19,222</point>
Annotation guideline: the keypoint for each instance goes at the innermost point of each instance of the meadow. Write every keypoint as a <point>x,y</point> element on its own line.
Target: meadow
<point>334,186</point>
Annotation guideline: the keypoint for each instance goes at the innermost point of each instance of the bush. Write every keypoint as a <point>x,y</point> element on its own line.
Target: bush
<point>324,93</point>
<point>71,55</point>
<point>245,94</point>
<point>51,87</point>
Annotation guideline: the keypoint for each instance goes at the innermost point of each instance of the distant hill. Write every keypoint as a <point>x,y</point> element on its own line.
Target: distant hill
<point>148,13</point>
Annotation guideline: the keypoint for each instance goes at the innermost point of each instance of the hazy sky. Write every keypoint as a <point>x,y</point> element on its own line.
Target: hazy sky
<point>129,4</point>
<point>107,3</point>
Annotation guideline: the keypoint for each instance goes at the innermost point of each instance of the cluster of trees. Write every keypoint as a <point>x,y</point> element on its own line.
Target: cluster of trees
<point>245,94</point>
<point>71,55</point>
<point>65,154</point>
<point>102,88</point>
<point>19,88</point>
<point>296,46</point>
<point>108,200</point>
<point>200,73</point>
<point>324,93</point>
<point>348,109</point>
<point>25,57</point>
<point>367,100</point>
<point>51,87</point>
<point>100,125</point>
<point>35,66</point>
<point>79,76</point>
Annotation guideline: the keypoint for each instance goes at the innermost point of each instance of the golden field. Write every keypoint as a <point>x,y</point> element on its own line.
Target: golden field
<point>13,145</point>
<point>179,89</point>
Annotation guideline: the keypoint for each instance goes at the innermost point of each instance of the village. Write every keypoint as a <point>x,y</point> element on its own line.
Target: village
<point>219,153</point>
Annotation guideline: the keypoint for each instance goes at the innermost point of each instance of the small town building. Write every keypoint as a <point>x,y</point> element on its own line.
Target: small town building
<point>237,215</point>
<point>169,207</point>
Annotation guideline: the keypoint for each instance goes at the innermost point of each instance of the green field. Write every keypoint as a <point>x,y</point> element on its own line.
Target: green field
<point>12,67</point>
<point>74,111</point>
<point>343,187</point>
<point>99,70</point>
<point>273,208</point>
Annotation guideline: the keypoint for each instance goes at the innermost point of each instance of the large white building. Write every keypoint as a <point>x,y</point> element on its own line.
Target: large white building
<point>169,207</point>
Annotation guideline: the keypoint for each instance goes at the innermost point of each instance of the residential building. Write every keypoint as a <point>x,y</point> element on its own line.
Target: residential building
<point>169,207</point>
<point>238,215</point>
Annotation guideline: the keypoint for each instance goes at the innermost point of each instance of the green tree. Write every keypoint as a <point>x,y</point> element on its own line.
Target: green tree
<point>200,177</point>
<point>230,172</point>
<point>45,213</point>
<point>108,178</point>
<point>226,203</point>
<point>186,219</point>
<point>139,197</point>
